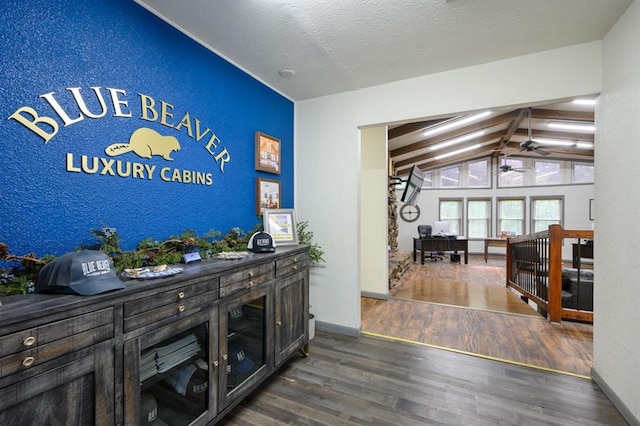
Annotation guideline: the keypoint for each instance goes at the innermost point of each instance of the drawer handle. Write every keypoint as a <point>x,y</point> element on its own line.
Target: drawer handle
<point>251,283</point>
<point>225,356</point>
<point>29,341</point>
<point>251,274</point>
<point>28,361</point>
<point>279,323</point>
<point>295,267</point>
<point>181,295</point>
<point>181,308</point>
<point>216,363</point>
<point>295,260</point>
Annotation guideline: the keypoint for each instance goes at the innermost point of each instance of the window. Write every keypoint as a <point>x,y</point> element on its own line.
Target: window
<point>547,173</point>
<point>479,217</point>
<point>583,173</point>
<point>428,179</point>
<point>511,215</point>
<point>478,174</point>
<point>511,177</point>
<point>546,211</point>
<point>451,211</point>
<point>450,177</point>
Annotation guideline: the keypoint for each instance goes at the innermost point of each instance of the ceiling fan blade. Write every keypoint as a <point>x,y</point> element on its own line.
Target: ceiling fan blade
<point>541,151</point>
<point>527,145</point>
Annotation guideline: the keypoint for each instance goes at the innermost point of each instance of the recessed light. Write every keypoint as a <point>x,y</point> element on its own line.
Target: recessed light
<point>459,151</point>
<point>286,73</point>
<point>584,145</point>
<point>554,142</point>
<point>584,101</point>
<point>457,140</point>
<point>455,123</point>
<point>581,127</point>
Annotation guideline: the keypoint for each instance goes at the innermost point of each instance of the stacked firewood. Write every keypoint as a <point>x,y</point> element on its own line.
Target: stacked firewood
<point>393,220</point>
<point>398,265</point>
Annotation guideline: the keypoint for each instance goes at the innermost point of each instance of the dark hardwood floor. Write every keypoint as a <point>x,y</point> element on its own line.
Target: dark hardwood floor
<point>476,285</point>
<point>467,308</point>
<point>411,365</point>
<point>375,381</point>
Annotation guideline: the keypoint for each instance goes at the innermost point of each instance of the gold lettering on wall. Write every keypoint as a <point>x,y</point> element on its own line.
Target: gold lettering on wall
<point>125,169</point>
<point>144,142</point>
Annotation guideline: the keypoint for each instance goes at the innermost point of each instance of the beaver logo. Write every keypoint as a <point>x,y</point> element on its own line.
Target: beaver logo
<point>145,143</point>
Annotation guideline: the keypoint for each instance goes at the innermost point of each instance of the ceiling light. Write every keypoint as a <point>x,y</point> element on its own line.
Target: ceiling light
<point>584,145</point>
<point>559,142</point>
<point>455,123</point>
<point>590,102</point>
<point>286,73</point>
<point>581,127</point>
<point>457,140</point>
<point>554,142</point>
<point>459,151</point>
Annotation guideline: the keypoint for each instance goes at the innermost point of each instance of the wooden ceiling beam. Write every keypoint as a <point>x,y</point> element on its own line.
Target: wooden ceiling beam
<point>515,123</point>
<point>563,115</point>
<point>419,159</point>
<point>461,131</point>
<point>405,129</point>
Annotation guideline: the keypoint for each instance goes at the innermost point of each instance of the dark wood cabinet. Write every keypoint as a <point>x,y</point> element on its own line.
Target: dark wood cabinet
<point>291,326</point>
<point>291,293</point>
<point>246,348</point>
<point>82,360</point>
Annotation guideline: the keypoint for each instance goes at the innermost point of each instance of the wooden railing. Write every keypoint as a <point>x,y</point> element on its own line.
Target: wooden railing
<point>535,267</point>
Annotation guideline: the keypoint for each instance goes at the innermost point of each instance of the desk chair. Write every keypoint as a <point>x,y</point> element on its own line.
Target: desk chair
<point>424,231</point>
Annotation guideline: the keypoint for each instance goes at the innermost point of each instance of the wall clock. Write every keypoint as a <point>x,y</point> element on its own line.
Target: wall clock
<point>409,213</point>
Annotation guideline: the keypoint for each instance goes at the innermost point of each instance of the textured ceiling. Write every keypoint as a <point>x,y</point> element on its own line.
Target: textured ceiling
<point>334,46</point>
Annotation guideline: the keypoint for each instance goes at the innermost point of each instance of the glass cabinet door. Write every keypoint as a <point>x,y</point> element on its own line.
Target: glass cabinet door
<point>174,372</point>
<point>244,352</point>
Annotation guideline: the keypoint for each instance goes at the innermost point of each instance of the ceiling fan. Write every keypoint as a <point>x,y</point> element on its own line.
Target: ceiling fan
<point>530,145</point>
<point>508,168</point>
<point>505,167</point>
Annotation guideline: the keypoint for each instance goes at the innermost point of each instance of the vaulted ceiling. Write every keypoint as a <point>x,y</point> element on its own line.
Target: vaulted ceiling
<point>500,132</point>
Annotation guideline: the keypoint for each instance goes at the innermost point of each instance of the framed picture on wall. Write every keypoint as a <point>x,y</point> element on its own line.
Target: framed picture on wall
<point>281,224</point>
<point>267,194</point>
<point>267,153</point>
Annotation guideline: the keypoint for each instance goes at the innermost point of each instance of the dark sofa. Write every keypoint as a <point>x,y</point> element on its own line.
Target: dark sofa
<point>577,289</point>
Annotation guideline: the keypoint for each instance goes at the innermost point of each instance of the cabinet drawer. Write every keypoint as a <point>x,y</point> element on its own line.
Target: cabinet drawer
<point>175,296</point>
<point>34,346</point>
<point>290,264</point>
<point>181,301</point>
<point>244,279</point>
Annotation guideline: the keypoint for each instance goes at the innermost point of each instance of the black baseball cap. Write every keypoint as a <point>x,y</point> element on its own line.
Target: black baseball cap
<point>261,242</point>
<point>84,272</point>
<point>149,411</point>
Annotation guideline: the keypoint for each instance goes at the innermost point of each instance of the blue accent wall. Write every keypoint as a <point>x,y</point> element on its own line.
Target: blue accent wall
<point>47,206</point>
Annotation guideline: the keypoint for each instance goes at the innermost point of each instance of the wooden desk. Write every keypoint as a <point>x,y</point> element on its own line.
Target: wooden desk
<point>493,242</point>
<point>440,244</point>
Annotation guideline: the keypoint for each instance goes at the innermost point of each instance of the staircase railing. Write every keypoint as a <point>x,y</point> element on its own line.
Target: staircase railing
<point>535,270</point>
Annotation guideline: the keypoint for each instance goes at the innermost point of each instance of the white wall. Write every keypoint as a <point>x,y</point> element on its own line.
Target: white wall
<point>374,222</point>
<point>617,199</point>
<point>576,210</point>
<point>328,148</point>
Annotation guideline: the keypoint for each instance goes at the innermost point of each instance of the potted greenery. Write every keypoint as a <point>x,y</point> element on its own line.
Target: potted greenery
<point>305,237</point>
